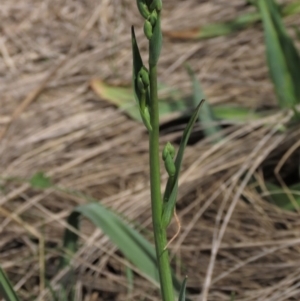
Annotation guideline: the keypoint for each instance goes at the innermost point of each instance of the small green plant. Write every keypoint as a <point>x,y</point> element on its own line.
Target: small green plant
<point>146,94</point>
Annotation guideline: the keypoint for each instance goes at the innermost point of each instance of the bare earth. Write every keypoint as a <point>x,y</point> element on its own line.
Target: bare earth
<point>51,121</point>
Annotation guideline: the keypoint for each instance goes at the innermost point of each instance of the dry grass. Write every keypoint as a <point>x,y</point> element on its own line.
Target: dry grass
<point>51,121</point>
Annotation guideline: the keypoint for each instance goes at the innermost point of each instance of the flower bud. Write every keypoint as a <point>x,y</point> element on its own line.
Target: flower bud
<point>168,150</point>
<point>152,18</point>
<point>144,75</point>
<point>140,85</point>
<point>146,118</point>
<point>148,29</point>
<point>170,166</point>
<point>156,5</point>
<point>143,8</point>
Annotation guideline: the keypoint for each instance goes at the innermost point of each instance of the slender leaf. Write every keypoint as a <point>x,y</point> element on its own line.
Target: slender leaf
<point>241,22</point>
<point>297,32</point>
<point>6,289</point>
<point>136,56</point>
<point>181,296</point>
<point>170,194</point>
<point>129,277</point>
<point>142,98</point>
<point>282,55</point>
<point>137,66</point>
<point>232,298</point>
<point>206,115</point>
<point>235,114</point>
<point>280,198</point>
<point>123,98</point>
<point>133,245</point>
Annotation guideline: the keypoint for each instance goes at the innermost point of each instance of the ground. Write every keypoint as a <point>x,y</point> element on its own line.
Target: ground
<point>51,121</point>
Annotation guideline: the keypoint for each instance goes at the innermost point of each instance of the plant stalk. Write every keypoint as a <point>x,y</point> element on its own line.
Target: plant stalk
<point>162,255</point>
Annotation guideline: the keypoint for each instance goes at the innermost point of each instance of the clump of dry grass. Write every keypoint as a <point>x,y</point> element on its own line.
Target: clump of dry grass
<point>57,125</point>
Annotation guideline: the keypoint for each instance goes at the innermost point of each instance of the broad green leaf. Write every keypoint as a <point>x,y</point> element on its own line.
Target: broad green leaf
<point>282,55</point>
<point>206,116</point>
<point>132,244</point>
<point>181,296</point>
<point>279,197</point>
<point>40,180</point>
<point>123,98</point>
<point>170,194</point>
<point>6,289</point>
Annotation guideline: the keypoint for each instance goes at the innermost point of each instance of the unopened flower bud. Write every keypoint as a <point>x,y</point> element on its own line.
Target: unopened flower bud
<point>170,166</point>
<point>143,8</point>
<point>152,18</point>
<point>140,84</point>
<point>156,5</point>
<point>168,150</point>
<point>148,29</point>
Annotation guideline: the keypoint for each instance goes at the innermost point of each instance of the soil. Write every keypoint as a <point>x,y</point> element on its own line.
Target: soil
<point>232,239</point>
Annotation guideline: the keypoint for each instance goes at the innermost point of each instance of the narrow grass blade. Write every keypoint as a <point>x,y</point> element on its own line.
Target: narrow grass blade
<point>136,56</point>
<point>206,115</point>
<point>6,289</point>
<point>297,32</point>
<point>137,66</point>
<point>54,296</point>
<point>225,28</point>
<point>234,114</point>
<point>130,278</point>
<point>232,298</point>
<point>170,194</point>
<point>282,56</point>
<point>181,296</point>
<point>280,198</point>
<point>138,250</point>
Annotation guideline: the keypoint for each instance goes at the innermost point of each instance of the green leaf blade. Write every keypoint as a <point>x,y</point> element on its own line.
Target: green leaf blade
<point>138,250</point>
<point>280,197</point>
<point>282,56</point>
<point>170,194</point>
<point>181,296</point>
<point>206,115</point>
<point>6,289</point>
<point>137,66</point>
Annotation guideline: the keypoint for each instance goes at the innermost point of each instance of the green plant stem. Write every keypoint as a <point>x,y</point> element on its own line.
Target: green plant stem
<point>162,255</point>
